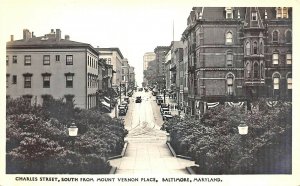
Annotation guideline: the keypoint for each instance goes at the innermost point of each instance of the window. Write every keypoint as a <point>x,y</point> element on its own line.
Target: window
<point>255,47</point>
<point>69,99</point>
<point>255,70</point>
<point>15,59</point>
<point>228,38</point>
<point>27,60</point>
<point>7,80</point>
<point>46,81</point>
<point>229,58</point>
<point>46,60</point>
<point>289,58</point>
<point>248,70</point>
<point>289,83</point>
<point>27,81</point>
<point>69,60</point>
<point>229,14</point>
<point>288,36</point>
<point>285,12</point>
<point>69,80</point>
<point>275,36</point>
<point>262,71</point>
<point>230,85</point>
<point>7,60</point>
<point>57,58</point>
<point>247,48</point>
<point>276,83</point>
<point>109,61</point>
<point>14,79</point>
<point>261,48</point>
<point>275,58</point>
<point>279,12</point>
<point>254,16</point>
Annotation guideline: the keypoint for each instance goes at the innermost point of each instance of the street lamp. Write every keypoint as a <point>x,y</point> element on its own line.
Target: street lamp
<point>73,131</point>
<point>243,128</point>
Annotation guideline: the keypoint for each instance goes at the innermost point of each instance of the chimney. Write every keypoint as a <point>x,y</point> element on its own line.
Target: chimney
<point>58,35</point>
<point>67,37</point>
<point>26,34</point>
<point>11,37</point>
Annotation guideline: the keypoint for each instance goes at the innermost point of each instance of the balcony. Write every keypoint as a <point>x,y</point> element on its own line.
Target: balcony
<point>254,82</point>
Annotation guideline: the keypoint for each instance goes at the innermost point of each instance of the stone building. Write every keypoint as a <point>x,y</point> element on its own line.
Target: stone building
<point>48,66</point>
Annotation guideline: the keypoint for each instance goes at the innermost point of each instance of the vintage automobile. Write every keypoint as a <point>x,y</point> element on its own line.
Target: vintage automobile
<point>159,101</point>
<point>167,115</point>
<point>122,111</point>
<point>138,99</point>
<point>163,109</point>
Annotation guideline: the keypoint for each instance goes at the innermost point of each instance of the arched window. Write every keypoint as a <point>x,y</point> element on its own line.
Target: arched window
<point>262,71</point>
<point>229,58</point>
<point>289,58</point>
<point>248,70</point>
<point>255,47</point>
<point>261,48</point>
<point>229,82</point>
<point>275,58</point>
<point>275,36</point>
<point>276,84</point>
<point>247,48</point>
<point>255,70</point>
<point>228,38</point>
<point>289,81</point>
<point>288,36</point>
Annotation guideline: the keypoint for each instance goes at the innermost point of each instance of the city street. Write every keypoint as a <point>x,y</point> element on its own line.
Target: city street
<point>147,151</point>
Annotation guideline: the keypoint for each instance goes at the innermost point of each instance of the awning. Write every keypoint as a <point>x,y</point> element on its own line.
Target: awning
<point>106,99</point>
<point>105,104</point>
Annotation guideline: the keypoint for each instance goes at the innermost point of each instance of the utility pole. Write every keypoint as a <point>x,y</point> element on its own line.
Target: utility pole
<point>120,92</point>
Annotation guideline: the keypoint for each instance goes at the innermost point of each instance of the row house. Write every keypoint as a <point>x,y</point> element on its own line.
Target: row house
<point>114,57</point>
<point>237,54</point>
<point>38,68</point>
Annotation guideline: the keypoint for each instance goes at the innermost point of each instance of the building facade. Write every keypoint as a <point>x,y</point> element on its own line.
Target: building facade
<point>48,66</point>
<point>114,57</point>
<point>160,58</point>
<point>237,54</point>
<point>148,56</point>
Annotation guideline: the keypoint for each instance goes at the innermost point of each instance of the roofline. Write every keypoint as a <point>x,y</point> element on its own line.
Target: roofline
<point>111,49</point>
<point>51,46</point>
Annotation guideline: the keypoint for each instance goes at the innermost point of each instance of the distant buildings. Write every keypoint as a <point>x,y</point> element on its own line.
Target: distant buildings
<point>148,56</point>
<point>49,66</point>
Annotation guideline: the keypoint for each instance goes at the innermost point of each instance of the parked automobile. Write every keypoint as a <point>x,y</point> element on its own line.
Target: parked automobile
<point>138,99</point>
<point>140,89</point>
<point>130,94</point>
<point>124,104</point>
<point>122,111</point>
<point>159,101</point>
<point>164,105</point>
<point>167,115</point>
<point>163,109</point>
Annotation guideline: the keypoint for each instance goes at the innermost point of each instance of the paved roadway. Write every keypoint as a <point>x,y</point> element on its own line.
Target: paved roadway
<point>147,152</point>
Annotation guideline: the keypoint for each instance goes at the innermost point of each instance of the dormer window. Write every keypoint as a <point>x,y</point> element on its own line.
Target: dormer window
<point>254,16</point>
<point>229,13</point>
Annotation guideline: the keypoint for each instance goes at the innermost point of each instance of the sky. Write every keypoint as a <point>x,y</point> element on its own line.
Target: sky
<point>135,27</point>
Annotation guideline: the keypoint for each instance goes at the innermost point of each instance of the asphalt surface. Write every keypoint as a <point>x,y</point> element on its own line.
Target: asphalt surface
<point>147,152</point>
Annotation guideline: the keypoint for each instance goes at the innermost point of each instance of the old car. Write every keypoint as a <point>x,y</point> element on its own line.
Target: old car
<point>138,99</point>
<point>122,111</point>
<point>167,115</point>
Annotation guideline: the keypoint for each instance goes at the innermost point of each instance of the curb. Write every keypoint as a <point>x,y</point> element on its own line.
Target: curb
<point>122,153</point>
<point>113,170</point>
<point>190,170</point>
<point>171,149</point>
